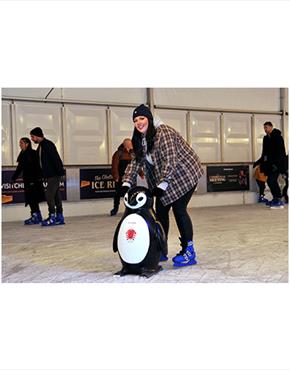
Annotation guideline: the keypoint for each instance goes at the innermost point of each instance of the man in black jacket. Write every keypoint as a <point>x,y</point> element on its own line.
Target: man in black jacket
<point>52,170</point>
<point>273,161</point>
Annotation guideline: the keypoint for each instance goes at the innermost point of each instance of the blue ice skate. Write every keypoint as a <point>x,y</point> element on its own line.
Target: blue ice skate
<point>163,257</point>
<point>50,221</point>
<point>277,204</point>
<point>185,258</point>
<point>59,220</point>
<point>35,219</point>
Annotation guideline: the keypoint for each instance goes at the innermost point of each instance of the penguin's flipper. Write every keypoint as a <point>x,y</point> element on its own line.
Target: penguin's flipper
<point>161,237</point>
<point>145,272</point>
<point>115,240</point>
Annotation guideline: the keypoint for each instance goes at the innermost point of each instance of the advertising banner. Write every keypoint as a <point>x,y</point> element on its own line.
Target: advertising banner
<point>96,183</point>
<point>227,178</point>
<point>14,192</point>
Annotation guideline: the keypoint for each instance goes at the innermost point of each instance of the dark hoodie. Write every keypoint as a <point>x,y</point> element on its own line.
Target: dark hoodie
<point>273,155</point>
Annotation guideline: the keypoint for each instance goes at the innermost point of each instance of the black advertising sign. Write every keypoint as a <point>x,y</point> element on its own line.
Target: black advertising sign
<point>96,183</point>
<point>14,192</point>
<point>227,178</point>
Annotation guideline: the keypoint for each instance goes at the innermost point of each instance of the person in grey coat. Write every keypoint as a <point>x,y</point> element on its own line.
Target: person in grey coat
<point>52,170</point>
<point>172,169</point>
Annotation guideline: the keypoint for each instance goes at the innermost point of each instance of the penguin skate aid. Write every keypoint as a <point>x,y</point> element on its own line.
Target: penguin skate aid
<point>139,238</point>
<point>172,170</point>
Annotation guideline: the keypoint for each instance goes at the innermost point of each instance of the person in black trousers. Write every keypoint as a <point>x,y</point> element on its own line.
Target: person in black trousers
<point>52,170</point>
<point>28,165</point>
<point>272,162</point>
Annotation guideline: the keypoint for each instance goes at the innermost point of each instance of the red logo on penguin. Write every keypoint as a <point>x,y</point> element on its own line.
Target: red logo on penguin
<point>130,234</point>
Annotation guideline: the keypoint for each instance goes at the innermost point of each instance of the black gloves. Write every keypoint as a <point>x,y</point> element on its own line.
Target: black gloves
<point>123,190</point>
<point>157,192</point>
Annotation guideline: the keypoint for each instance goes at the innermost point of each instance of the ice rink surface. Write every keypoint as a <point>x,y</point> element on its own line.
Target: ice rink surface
<point>234,244</point>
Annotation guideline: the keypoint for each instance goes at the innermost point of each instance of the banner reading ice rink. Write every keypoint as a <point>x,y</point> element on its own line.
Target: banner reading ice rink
<point>96,182</point>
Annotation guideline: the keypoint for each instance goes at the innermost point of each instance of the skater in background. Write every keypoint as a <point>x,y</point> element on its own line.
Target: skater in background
<point>28,165</point>
<point>272,162</point>
<point>261,179</point>
<point>52,170</point>
<point>286,178</point>
<point>172,170</point>
<point>120,160</point>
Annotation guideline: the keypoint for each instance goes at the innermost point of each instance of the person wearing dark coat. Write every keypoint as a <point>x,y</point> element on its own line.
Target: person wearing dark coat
<point>120,160</point>
<point>273,162</point>
<point>286,178</point>
<point>28,165</point>
<point>52,170</point>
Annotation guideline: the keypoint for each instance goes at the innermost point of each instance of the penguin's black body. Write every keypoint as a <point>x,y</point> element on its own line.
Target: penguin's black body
<point>139,237</point>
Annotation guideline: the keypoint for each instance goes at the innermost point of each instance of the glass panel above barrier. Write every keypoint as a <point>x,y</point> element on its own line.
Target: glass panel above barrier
<point>122,126</point>
<point>237,138</point>
<point>85,135</point>
<point>205,135</point>
<point>175,119</point>
<point>30,115</point>
<point>6,135</point>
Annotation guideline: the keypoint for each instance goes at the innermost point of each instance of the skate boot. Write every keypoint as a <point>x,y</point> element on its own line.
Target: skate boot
<point>50,221</point>
<point>35,219</point>
<point>186,256</point>
<point>269,202</point>
<point>59,220</point>
<point>276,204</point>
<point>114,211</point>
<point>262,199</point>
<point>163,257</point>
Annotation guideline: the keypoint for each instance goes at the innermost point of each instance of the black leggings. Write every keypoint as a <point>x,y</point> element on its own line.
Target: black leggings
<point>181,216</point>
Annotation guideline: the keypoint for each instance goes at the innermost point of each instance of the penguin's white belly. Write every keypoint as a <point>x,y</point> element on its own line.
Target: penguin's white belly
<point>133,239</point>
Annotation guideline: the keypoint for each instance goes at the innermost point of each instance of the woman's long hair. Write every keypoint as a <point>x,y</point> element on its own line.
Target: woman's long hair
<point>27,141</point>
<point>137,140</point>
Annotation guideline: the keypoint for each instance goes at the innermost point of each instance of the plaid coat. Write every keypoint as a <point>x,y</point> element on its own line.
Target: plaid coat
<point>174,161</point>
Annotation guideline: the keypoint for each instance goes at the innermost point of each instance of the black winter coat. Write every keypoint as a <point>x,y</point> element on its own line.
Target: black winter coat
<point>50,160</point>
<point>28,165</point>
<point>273,157</point>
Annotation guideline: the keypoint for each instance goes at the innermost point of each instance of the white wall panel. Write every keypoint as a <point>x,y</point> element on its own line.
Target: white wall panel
<point>260,119</point>
<point>30,115</point>
<point>85,135</point>
<point>6,135</point>
<point>205,134</point>
<point>237,138</point>
<point>227,98</point>
<point>32,92</point>
<point>122,126</point>
<point>175,119</point>
<point>107,95</point>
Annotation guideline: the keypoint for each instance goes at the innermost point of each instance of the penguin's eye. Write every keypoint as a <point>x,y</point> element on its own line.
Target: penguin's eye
<point>126,197</point>
<point>141,198</point>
